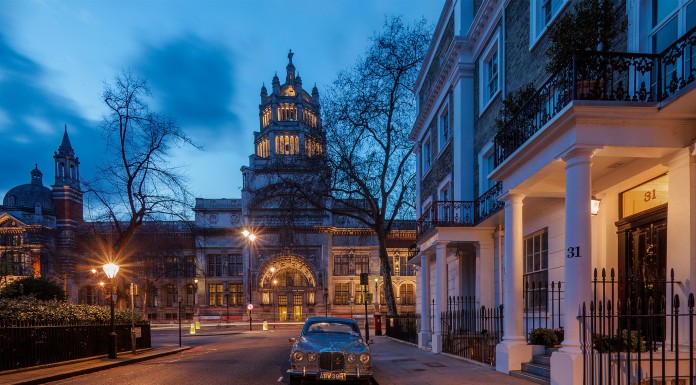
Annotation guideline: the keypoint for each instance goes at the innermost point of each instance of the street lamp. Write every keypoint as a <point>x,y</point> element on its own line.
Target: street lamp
<point>110,269</point>
<point>227,299</point>
<point>252,237</point>
<point>326,301</point>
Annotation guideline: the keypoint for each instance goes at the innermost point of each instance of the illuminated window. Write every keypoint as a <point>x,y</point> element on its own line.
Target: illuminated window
<point>360,291</point>
<point>287,112</point>
<point>289,91</point>
<point>215,294</point>
<point>408,294</point>
<point>309,118</point>
<point>263,147</point>
<point>266,117</point>
<point>287,144</point>
<point>236,294</point>
<point>313,147</point>
<point>341,293</point>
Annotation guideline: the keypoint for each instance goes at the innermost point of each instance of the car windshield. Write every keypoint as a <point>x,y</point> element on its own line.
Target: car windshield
<point>331,327</point>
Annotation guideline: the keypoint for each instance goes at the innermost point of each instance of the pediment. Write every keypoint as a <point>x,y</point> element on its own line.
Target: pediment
<point>9,221</point>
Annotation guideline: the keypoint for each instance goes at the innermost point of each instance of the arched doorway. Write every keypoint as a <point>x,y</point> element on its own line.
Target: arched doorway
<point>288,286</point>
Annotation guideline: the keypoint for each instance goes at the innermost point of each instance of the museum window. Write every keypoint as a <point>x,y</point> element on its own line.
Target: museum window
<point>263,147</point>
<point>309,117</point>
<point>341,293</point>
<point>266,117</point>
<point>215,294</point>
<point>313,147</point>
<point>351,264</point>
<point>235,266</point>
<point>287,112</point>
<point>402,267</point>
<point>190,295</point>
<point>286,144</point>
<point>190,266</point>
<point>360,294</point>
<point>236,294</point>
<point>536,269</point>
<point>215,264</point>
<point>171,299</point>
<point>13,263</point>
<point>152,295</point>
<point>408,294</point>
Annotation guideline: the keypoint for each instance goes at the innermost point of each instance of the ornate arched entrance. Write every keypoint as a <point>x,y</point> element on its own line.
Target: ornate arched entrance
<point>288,285</point>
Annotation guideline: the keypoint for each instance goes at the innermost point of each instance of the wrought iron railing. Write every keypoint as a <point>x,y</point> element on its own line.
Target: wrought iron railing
<point>471,332</point>
<point>26,344</point>
<point>542,306</point>
<point>637,331</point>
<point>460,213</point>
<point>404,327</point>
<point>612,76</point>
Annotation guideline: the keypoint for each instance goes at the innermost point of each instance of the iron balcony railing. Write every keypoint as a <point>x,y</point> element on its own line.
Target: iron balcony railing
<point>612,76</point>
<point>460,213</point>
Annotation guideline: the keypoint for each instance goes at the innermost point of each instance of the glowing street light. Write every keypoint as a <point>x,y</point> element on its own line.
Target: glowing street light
<point>110,269</point>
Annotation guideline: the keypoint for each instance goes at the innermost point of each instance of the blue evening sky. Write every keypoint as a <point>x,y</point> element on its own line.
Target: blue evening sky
<point>205,62</point>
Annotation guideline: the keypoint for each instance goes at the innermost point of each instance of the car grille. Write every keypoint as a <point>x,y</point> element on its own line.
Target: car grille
<point>332,361</point>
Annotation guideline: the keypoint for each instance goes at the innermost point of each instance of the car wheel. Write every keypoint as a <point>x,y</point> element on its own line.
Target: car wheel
<point>295,380</point>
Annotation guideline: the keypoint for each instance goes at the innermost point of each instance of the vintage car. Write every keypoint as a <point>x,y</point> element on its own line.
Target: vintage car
<point>330,349</point>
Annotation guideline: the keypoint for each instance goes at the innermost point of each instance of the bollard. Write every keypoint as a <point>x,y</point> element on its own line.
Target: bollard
<point>198,325</point>
<point>265,326</point>
<point>193,329</point>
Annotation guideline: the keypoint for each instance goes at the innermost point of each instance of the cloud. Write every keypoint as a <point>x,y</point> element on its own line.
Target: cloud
<point>191,79</point>
<point>33,118</point>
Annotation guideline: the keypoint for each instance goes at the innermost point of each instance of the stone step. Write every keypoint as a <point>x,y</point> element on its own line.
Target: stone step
<point>542,359</point>
<point>530,377</point>
<point>539,370</point>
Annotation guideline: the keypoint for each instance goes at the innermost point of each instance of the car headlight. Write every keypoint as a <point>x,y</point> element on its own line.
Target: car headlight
<point>297,356</point>
<point>365,358</point>
<point>352,357</point>
<point>311,356</point>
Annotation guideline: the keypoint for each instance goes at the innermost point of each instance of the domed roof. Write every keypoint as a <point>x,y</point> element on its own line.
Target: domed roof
<point>26,196</point>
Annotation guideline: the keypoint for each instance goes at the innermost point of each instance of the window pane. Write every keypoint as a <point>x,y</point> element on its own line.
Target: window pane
<point>665,36</point>
<point>690,16</point>
<point>662,9</point>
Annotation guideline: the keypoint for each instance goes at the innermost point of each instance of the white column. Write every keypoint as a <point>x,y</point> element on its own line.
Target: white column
<point>440,293</point>
<point>578,243</point>
<point>567,363</point>
<point>513,351</point>
<point>424,285</point>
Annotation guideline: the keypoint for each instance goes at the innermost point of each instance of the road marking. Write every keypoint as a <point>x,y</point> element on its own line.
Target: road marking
<point>280,379</point>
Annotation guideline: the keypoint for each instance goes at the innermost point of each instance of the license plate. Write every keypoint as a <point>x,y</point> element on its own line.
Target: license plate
<point>332,376</point>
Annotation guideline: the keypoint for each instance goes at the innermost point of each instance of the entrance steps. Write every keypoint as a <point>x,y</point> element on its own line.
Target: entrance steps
<point>538,370</point>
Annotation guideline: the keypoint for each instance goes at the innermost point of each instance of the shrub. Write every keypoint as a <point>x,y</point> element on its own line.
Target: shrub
<point>38,287</point>
<point>513,103</point>
<point>623,341</point>
<point>543,336</point>
<point>31,310</point>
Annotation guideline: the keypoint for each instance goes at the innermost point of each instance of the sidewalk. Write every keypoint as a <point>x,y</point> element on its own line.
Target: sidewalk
<point>63,370</point>
<point>395,362</point>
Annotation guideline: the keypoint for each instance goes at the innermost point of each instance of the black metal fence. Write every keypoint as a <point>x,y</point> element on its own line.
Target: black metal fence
<point>471,332</point>
<point>404,327</point>
<point>30,344</point>
<point>542,306</point>
<point>637,331</point>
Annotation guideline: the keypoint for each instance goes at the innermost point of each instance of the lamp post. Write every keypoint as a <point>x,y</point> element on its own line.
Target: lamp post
<point>275,294</point>
<point>227,299</point>
<point>110,269</point>
<point>252,237</point>
<point>326,301</point>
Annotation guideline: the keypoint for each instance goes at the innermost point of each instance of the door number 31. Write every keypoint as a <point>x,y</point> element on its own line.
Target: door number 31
<point>573,252</point>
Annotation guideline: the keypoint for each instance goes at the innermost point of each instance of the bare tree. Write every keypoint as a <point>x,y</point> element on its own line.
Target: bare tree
<point>368,113</point>
<point>137,181</point>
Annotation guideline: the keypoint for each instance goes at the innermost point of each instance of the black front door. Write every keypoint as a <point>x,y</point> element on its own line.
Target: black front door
<point>642,270</point>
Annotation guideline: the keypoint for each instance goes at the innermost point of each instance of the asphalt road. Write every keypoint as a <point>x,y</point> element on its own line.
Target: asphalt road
<point>223,356</point>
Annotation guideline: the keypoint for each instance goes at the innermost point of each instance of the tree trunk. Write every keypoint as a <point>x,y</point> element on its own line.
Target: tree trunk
<point>386,274</point>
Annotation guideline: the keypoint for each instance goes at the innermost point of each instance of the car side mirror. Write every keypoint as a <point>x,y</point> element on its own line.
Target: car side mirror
<point>292,339</point>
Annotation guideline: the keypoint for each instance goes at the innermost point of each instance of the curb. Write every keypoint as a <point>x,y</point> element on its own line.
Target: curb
<point>97,368</point>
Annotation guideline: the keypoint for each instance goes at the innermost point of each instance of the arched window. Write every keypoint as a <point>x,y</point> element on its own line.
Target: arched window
<point>291,278</point>
<point>171,299</point>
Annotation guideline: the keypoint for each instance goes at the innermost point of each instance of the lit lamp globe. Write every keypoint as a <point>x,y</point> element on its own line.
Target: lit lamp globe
<point>110,269</point>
